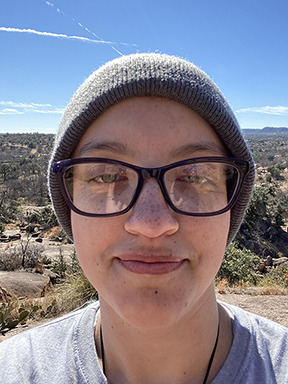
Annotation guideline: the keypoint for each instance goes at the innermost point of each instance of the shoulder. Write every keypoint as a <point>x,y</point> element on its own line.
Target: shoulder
<point>256,325</point>
<point>259,352</point>
<point>42,350</point>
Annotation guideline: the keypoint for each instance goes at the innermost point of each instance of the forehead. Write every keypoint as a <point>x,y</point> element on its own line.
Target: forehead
<point>150,126</point>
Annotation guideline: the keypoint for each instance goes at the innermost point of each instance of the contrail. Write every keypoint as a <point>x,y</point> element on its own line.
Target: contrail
<point>58,35</point>
<point>87,29</point>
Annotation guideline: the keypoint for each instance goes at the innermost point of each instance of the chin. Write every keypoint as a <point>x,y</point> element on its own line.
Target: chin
<point>151,308</point>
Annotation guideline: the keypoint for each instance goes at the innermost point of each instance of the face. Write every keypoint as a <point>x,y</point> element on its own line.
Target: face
<point>151,266</point>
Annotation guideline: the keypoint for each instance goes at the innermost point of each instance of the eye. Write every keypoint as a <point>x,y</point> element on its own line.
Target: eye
<point>195,179</point>
<point>191,176</point>
<point>106,178</point>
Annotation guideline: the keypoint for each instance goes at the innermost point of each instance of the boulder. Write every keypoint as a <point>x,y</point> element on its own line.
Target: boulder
<point>24,284</point>
<point>39,267</point>
<point>280,261</point>
<point>15,237</point>
<point>52,275</point>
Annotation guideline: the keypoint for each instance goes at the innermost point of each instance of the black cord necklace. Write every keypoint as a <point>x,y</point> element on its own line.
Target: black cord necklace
<point>212,355</point>
<point>209,365</point>
<point>102,350</point>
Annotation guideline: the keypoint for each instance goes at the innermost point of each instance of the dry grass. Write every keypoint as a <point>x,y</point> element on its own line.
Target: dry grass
<point>52,233</point>
<point>223,287</point>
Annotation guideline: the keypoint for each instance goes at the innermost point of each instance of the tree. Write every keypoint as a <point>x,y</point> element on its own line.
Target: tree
<point>267,203</point>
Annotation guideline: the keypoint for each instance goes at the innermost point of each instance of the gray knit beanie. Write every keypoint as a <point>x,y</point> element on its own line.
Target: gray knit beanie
<point>148,74</point>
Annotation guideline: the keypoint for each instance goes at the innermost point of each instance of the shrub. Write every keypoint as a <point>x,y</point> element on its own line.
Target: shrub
<point>10,260</point>
<point>23,255</point>
<point>239,265</point>
<point>277,277</point>
<point>2,228</point>
<point>267,203</point>
<point>76,289</point>
<point>46,218</point>
<point>8,321</point>
<point>60,266</point>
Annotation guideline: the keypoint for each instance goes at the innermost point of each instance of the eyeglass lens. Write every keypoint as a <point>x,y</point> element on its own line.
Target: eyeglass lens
<point>105,188</point>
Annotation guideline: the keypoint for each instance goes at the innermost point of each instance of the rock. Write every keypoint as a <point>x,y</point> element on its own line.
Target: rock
<point>281,261</point>
<point>36,234</point>
<point>261,267</point>
<point>32,228</point>
<point>24,284</point>
<point>269,261</point>
<point>39,267</point>
<point>283,235</point>
<point>17,236</point>
<point>246,233</point>
<point>263,225</point>
<point>52,275</point>
<point>272,231</point>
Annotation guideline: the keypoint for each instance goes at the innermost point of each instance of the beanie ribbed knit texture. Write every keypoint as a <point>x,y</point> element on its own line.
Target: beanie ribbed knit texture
<point>148,74</point>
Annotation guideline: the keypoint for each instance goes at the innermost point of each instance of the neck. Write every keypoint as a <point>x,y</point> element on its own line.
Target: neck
<point>177,352</point>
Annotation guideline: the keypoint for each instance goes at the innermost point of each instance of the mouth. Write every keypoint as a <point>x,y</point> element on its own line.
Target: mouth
<point>151,265</point>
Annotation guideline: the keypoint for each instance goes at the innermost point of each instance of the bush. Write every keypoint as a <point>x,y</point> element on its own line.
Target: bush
<point>10,260</point>
<point>267,203</point>
<point>277,277</point>
<point>2,228</point>
<point>239,265</point>
<point>76,289</point>
<point>46,218</point>
<point>60,266</point>
<point>9,321</point>
<point>23,255</point>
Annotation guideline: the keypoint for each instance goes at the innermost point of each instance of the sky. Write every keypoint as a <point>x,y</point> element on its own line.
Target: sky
<point>48,48</point>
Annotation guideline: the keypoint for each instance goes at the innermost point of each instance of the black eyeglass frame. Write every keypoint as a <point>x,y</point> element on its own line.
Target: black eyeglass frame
<point>242,167</point>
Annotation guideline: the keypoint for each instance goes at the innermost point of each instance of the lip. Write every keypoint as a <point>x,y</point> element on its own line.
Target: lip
<point>150,264</point>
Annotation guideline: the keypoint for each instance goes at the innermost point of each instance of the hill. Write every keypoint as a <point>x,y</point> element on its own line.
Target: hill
<point>266,130</point>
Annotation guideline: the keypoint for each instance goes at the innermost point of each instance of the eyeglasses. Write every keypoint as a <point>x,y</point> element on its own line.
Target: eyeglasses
<point>204,186</point>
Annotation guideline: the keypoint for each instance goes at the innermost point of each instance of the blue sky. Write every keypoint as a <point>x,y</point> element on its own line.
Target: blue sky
<point>49,48</point>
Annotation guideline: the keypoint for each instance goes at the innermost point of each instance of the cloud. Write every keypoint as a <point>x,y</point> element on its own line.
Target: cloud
<point>56,110</point>
<point>23,105</point>
<point>57,35</point>
<point>28,108</point>
<point>9,111</point>
<point>280,110</point>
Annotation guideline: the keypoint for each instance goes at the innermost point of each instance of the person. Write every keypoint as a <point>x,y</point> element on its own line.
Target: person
<point>150,177</point>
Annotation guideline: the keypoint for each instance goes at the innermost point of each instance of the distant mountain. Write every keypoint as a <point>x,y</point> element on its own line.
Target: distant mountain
<point>266,130</point>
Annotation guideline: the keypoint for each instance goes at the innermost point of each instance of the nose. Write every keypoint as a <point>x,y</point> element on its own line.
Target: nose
<point>150,215</point>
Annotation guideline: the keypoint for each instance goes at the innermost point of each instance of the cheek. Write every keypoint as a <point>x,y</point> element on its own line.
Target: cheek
<point>209,237</point>
<point>92,237</point>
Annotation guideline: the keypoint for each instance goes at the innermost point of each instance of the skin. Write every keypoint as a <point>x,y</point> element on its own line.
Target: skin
<point>171,305</point>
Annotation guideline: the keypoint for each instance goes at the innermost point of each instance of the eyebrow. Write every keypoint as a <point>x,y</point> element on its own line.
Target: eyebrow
<point>109,146</point>
<point>122,149</point>
<point>190,149</point>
